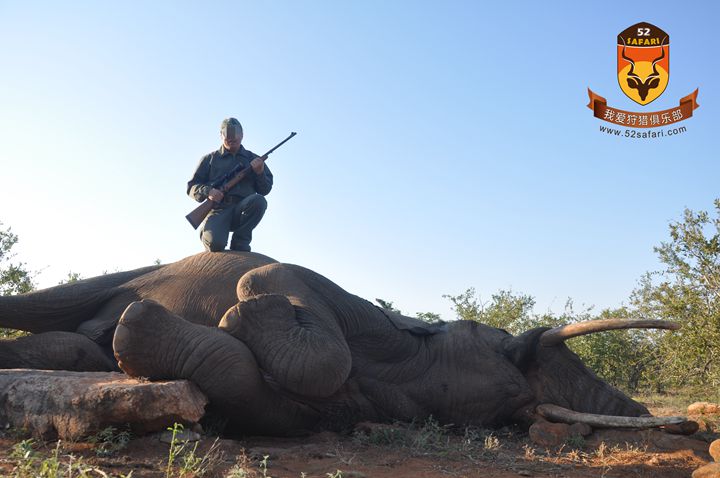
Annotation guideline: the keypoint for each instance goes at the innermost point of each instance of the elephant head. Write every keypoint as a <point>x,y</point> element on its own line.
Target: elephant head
<point>564,388</point>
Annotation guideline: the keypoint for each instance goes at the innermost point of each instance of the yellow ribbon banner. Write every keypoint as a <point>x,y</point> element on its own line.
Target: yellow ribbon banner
<point>642,120</point>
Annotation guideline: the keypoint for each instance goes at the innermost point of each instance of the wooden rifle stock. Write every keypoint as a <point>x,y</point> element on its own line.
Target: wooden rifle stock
<point>198,215</point>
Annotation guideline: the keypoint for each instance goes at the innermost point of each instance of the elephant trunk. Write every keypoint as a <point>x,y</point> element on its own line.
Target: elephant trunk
<point>152,342</point>
<point>300,346</point>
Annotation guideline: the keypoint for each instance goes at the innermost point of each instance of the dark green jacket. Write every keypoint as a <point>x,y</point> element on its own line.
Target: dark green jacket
<point>216,164</point>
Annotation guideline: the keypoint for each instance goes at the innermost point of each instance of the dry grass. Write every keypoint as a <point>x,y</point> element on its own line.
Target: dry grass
<point>676,401</point>
<point>420,450</point>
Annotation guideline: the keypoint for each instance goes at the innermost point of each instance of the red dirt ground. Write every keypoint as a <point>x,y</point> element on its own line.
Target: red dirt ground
<point>509,454</point>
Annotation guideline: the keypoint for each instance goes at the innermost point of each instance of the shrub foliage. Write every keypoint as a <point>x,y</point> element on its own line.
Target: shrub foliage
<point>685,290</point>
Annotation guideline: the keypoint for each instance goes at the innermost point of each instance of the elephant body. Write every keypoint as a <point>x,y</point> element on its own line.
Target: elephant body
<point>279,349</point>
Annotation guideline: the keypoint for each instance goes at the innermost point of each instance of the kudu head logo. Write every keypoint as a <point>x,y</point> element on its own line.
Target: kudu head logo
<point>643,62</point>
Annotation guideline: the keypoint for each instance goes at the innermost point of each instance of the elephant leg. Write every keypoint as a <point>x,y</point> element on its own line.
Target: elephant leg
<point>304,353</point>
<point>55,351</point>
<point>66,306</point>
<point>152,342</point>
<point>101,327</point>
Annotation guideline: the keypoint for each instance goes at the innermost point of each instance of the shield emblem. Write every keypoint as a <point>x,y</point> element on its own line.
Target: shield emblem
<point>643,52</point>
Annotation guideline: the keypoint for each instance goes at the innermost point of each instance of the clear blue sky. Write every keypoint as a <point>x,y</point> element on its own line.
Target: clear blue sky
<point>441,145</point>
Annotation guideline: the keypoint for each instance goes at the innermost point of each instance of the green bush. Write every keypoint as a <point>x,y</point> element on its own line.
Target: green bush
<point>687,291</point>
<point>14,278</point>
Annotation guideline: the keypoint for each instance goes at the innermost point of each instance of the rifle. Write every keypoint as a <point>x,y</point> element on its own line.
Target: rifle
<point>224,184</point>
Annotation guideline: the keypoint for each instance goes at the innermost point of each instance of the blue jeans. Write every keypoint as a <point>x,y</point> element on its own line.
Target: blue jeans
<point>240,218</point>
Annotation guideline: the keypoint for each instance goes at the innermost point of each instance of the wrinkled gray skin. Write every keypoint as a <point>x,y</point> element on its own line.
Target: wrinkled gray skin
<point>279,349</point>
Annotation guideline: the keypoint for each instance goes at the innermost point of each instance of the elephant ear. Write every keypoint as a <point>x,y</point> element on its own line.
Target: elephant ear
<point>413,325</point>
<point>300,346</point>
<point>521,349</point>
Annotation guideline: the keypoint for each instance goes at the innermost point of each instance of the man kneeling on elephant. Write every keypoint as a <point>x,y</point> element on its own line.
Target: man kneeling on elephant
<point>242,207</point>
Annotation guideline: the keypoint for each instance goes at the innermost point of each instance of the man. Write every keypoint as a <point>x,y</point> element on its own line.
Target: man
<point>240,209</point>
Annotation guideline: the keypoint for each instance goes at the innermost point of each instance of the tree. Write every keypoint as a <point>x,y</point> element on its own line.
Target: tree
<point>687,291</point>
<point>14,278</point>
<point>388,305</point>
<point>466,305</point>
<point>71,277</point>
<point>627,359</point>
<point>505,310</point>
<point>429,317</point>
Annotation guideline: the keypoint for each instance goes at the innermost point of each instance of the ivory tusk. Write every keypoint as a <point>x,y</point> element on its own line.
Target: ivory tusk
<point>560,334</point>
<point>565,415</point>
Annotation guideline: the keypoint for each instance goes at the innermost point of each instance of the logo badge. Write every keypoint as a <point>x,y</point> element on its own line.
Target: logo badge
<point>643,53</point>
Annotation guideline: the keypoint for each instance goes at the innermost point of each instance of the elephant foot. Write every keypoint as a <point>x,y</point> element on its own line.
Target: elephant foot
<point>141,340</point>
<point>150,341</point>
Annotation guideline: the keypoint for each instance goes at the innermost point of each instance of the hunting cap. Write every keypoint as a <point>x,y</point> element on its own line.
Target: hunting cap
<point>230,128</point>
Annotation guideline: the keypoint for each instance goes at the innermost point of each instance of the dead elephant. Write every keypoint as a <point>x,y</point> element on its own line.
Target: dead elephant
<point>279,349</point>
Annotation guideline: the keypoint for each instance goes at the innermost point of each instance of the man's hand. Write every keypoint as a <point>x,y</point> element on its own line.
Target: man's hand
<point>258,165</point>
<point>215,195</point>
